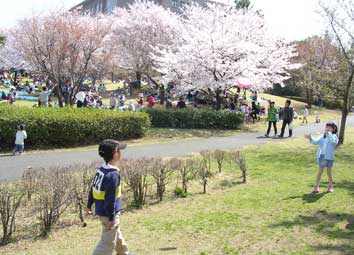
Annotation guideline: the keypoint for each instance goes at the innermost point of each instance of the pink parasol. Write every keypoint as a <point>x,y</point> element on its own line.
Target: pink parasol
<point>243,83</point>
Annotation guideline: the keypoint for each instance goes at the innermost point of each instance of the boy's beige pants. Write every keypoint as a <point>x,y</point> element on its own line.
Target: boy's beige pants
<point>111,239</point>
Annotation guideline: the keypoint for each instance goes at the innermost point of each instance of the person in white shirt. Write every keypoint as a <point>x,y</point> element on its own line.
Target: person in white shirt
<point>131,106</point>
<point>305,115</point>
<point>44,97</point>
<point>21,135</point>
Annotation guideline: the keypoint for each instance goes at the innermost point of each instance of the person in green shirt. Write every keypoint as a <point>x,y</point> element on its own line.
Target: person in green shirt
<point>272,119</point>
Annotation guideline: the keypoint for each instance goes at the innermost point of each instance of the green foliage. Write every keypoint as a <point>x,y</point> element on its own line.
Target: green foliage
<point>55,127</point>
<point>195,118</point>
<point>243,4</point>
<point>2,40</point>
<point>179,192</point>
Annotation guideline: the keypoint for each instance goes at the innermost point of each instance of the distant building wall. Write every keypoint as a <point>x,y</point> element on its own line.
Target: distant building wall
<point>107,6</point>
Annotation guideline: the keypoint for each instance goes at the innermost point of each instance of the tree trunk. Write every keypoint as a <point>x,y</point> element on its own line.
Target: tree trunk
<point>218,99</point>
<point>204,186</point>
<point>162,95</point>
<point>15,78</point>
<point>138,78</point>
<point>59,95</point>
<point>345,109</point>
<point>244,176</point>
<point>309,97</point>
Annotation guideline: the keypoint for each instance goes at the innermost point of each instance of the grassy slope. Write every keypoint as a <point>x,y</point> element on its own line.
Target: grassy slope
<point>274,214</point>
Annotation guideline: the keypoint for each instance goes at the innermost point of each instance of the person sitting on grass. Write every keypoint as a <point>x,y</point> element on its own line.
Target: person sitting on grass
<point>140,102</point>
<point>181,104</point>
<point>21,135</point>
<point>44,97</point>
<point>131,106</point>
<point>169,103</point>
<point>112,102</point>
<point>106,194</point>
<point>325,154</point>
<point>151,101</point>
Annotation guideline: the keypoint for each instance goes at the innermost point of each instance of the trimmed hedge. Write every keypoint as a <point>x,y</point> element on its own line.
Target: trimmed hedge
<point>63,127</point>
<point>194,118</point>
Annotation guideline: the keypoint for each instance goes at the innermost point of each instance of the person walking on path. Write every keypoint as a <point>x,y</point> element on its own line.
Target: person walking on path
<point>288,117</point>
<point>106,194</point>
<point>305,115</point>
<point>325,154</point>
<point>272,119</point>
<point>21,135</point>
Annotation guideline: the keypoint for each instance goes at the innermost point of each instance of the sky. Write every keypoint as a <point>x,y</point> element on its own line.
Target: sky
<point>290,19</point>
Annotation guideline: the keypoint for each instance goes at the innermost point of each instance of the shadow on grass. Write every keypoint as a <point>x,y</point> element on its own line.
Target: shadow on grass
<point>309,198</point>
<point>229,183</point>
<point>168,249</point>
<point>263,137</point>
<point>346,185</point>
<point>332,225</point>
<point>335,249</point>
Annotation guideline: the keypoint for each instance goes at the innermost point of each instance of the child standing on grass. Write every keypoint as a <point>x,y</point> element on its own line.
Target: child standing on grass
<point>106,194</point>
<point>305,115</point>
<point>21,135</point>
<point>325,154</point>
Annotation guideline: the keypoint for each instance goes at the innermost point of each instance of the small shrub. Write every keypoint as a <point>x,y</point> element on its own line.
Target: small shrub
<point>240,160</point>
<point>82,181</point>
<point>30,181</point>
<point>188,171</point>
<point>194,118</point>
<point>54,196</point>
<point>10,200</point>
<point>219,156</point>
<point>207,157</point>
<point>136,173</point>
<point>161,171</point>
<point>180,192</point>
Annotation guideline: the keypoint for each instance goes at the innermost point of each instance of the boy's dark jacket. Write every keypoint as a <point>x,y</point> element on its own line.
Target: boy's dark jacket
<point>107,179</point>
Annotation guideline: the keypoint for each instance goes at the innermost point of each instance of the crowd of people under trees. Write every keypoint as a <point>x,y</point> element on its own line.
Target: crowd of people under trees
<point>125,98</point>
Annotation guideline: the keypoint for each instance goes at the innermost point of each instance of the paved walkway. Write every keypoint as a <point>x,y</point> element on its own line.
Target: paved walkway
<point>12,167</point>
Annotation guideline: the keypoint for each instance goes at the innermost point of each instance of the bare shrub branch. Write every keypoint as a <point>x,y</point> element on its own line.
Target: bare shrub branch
<point>10,200</point>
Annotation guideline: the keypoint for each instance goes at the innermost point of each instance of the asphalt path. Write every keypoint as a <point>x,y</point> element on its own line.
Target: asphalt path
<point>11,167</point>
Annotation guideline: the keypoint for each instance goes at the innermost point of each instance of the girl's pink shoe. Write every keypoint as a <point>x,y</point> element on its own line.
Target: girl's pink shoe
<point>330,188</point>
<point>316,188</point>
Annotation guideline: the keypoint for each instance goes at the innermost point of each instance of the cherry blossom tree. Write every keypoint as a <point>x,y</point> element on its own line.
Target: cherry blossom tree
<point>139,28</point>
<point>61,45</point>
<point>9,57</point>
<point>219,44</point>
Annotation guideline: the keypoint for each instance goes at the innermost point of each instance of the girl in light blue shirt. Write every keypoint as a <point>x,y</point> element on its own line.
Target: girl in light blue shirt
<point>325,154</point>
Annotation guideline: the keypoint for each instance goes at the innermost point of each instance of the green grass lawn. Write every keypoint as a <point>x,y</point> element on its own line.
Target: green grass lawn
<point>275,213</point>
